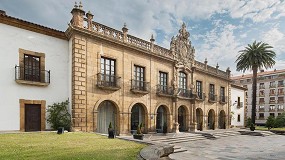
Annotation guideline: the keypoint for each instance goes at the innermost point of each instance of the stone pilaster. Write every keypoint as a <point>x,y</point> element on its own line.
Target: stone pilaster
<point>79,71</point>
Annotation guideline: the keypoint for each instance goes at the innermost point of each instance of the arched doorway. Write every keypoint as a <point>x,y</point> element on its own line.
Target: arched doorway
<point>222,120</point>
<point>107,113</point>
<point>211,119</point>
<point>182,118</point>
<point>161,118</point>
<point>199,119</point>
<point>137,117</point>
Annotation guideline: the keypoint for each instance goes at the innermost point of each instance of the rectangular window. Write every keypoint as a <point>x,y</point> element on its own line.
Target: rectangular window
<point>280,99</point>
<point>199,89</point>
<point>272,99</point>
<point>108,71</point>
<point>139,77</point>
<point>261,115</point>
<point>279,114</point>
<point>280,83</point>
<point>261,100</point>
<point>261,86</point>
<point>272,84</point>
<point>280,91</point>
<point>32,68</point>
<point>272,92</point>
<point>272,107</point>
<point>238,102</point>
<point>261,93</point>
<point>163,81</point>
<point>272,114</point>
<point>222,94</point>
<point>212,92</point>
<point>280,107</point>
<point>238,118</point>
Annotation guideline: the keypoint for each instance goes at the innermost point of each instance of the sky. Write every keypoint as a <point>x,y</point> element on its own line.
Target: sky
<point>218,28</point>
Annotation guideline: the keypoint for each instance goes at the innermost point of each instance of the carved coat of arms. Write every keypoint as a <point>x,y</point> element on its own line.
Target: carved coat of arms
<point>181,46</point>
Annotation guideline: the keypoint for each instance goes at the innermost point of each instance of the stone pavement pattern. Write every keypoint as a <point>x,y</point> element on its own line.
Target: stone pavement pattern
<point>234,148</point>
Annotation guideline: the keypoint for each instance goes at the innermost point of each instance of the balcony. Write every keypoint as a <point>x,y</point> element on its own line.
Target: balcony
<point>280,93</point>
<point>272,94</point>
<point>200,96</point>
<point>271,109</point>
<point>164,90</point>
<point>261,94</point>
<point>272,101</point>
<point>109,82</point>
<point>281,85</point>
<point>272,86</point>
<point>261,110</point>
<point>185,93</point>
<point>212,98</point>
<point>261,118</point>
<point>261,102</point>
<point>280,101</point>
<point>32,76</point>
<point>262,87</point>
<point>223,99</point>
<point>140,86</point>
<point>280,109</point>
<point>240,105</point>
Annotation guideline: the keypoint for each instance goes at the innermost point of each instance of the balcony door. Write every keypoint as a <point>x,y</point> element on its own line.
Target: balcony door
<point>31,68</point>
<point>108,72</point>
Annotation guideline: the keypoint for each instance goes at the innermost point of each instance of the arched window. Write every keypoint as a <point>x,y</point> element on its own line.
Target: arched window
<point>182,80</point>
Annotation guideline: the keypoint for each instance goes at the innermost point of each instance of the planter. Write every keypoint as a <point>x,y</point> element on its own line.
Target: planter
<point>60,130</point>
<point>252,128</point>
<point>138,136</point>
<point>111,134</point>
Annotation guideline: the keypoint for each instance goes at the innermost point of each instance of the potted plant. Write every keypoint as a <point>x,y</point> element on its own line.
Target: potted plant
<point>139,134</point>
<point>165,128</point>
<point>110,131</point>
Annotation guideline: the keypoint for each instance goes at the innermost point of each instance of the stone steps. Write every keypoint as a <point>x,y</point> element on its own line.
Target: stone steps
<point>178,149</point>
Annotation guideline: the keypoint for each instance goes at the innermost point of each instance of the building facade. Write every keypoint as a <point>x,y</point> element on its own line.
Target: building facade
<point>269,94</point>
<point>35,73</point>
<point>237,105</point>
<point>126,81</point>
<point>112,77</point>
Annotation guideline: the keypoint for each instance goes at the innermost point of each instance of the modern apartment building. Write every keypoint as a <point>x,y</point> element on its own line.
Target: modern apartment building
<point>109,76</point>
<point>269,96</point>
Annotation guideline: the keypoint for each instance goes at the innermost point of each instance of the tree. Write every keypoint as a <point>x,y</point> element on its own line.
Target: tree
<point>270,122</point>
<point>280,121</point>
<point>59,116</point>
<point>257,55</point>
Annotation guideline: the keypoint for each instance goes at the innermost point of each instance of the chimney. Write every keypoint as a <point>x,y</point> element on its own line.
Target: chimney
<point>2,13</point>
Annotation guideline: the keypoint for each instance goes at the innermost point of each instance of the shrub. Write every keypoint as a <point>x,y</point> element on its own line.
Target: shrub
<point>280,121</point>
<point>270,122</point>
<point>59,116</point>
<point>139,131</point>
<point>110,125</point>
<point>248,122</point>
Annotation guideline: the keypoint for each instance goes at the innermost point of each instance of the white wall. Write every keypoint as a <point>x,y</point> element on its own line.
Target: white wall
<point>56,60</point>
<point>235,93</point>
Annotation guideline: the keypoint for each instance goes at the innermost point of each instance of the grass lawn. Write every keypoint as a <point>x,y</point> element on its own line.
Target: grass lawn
<point>263,128</point>
<point>48,145</point>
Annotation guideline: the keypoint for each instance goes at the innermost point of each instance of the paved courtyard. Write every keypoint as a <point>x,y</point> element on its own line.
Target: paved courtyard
<point>234,147</point>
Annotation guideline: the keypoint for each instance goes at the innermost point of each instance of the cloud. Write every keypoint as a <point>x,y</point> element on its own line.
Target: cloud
<point>276,39</point>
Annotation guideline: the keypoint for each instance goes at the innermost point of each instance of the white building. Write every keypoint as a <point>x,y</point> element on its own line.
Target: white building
<point>269,94</point>
<point>237,105</point>
<point>34,73</point>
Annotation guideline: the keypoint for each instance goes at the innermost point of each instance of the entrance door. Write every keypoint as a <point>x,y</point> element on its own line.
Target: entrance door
<point>137,117</point>
<point>106,115</point>
<point>199,119</point>
<point>211,119</point>
<point>161,119</point>
<point>32,117</point>
<point>222,120</point>
<point>182,119</point>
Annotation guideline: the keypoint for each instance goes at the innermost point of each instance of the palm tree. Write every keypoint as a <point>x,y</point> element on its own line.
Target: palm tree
<point>255,56</point>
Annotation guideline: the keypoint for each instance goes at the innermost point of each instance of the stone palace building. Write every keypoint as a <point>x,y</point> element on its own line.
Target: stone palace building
<point>118,78</point>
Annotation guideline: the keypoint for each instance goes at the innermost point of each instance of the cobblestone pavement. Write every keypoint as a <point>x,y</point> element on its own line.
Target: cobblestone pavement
<point>234,148</point>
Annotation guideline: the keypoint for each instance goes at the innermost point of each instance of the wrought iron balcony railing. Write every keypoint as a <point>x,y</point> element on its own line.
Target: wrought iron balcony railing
<point>272,86</point>
<point>139,86</point>
<point>32,75</point>
<point>164,90</point>
<point>185,93</point>
<point>200,96</point>
<point>110,82</point>
<point>262,87</point>
<point>223,99</point>
<point>212,97</point>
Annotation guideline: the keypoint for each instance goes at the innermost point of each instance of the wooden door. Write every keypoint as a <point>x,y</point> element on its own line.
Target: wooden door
<point>32,117</point>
